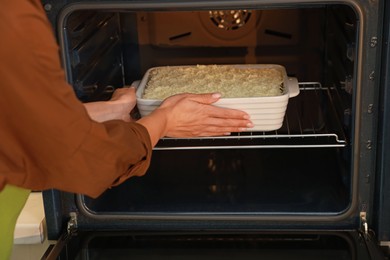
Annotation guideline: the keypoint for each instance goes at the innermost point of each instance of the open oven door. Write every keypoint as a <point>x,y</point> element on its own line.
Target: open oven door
<point>276,245</point>
<point>79,236</point>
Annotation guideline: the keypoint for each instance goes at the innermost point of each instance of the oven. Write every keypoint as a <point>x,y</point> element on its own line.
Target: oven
<point>317,188</point>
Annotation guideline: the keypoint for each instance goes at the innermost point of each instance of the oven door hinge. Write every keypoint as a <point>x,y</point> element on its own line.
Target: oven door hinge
<point>363,223</point>
<point>72,223</point>
<point>372,245</point>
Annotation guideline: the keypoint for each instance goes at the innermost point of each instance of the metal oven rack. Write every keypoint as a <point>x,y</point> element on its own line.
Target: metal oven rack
<point>311,120</point>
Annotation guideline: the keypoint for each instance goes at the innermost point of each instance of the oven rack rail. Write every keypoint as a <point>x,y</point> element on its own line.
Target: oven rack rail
<point>311,121</point>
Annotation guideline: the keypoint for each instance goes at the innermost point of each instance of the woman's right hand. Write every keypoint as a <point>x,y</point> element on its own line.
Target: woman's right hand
<point>193,115</point>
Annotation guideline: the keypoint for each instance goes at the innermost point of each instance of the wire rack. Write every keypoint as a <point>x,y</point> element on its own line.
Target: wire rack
<point>311,120</point>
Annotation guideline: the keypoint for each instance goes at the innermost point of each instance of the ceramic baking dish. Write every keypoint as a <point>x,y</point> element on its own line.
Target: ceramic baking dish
<point>266,113</point>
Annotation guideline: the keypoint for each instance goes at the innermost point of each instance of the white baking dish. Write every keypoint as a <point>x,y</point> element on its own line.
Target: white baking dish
<point>266,113</point>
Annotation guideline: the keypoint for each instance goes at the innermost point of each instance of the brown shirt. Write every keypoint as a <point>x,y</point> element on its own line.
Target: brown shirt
<point>47,139</point>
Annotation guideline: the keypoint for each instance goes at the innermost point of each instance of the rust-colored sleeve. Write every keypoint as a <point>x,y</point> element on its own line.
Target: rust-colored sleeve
<point>47,137</point>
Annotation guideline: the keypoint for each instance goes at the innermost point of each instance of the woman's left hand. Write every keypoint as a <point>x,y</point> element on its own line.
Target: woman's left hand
<point>120,105</point>
<point>124,101</point>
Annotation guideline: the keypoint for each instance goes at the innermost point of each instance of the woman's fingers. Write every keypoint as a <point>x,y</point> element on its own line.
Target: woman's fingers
<point>212,126</point>
<point>229,123</point>
<point>215,111</point>
<point>219,112</point>
<point>207,98</point>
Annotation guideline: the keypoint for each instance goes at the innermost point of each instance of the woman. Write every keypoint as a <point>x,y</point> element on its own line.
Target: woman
<point>49,139</point>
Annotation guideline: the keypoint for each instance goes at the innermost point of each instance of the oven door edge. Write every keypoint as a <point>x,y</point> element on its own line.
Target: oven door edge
<point>272,245</point>
<point>382,189</point>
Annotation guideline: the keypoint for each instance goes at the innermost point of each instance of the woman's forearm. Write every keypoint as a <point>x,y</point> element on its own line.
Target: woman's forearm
<point>156,124</point>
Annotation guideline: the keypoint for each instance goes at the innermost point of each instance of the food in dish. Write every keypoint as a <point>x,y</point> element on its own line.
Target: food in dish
<point>230,81</point>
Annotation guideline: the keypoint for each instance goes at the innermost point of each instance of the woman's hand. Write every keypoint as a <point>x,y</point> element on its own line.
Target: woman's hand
<point>119,106</point>
<point>124,101</point>
<point>192,115</point>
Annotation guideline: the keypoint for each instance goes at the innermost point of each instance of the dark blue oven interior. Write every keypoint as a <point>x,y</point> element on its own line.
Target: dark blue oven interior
<point>306,167</point>
<point>233,181</point>
<point>324,246</point>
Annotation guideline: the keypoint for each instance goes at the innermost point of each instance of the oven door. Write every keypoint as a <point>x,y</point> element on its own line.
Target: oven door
<point>249,245</point>
<point>382,224</point>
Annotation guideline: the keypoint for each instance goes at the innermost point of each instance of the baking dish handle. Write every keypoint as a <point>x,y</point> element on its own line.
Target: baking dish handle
<point>293,87</point>
<point>134,84</point>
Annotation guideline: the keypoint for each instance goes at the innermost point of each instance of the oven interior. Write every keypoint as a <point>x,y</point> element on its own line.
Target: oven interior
<point>303,169</point>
